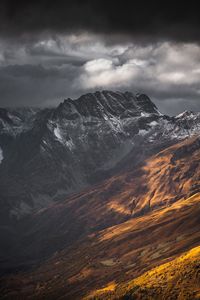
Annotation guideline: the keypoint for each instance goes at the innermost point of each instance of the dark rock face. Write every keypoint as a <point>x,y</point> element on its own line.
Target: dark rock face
<point>146,104</point>
<point>106,103</point>
<point>50,153</point>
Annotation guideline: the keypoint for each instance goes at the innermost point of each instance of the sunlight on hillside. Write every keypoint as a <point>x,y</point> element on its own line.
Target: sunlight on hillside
<point>178,279</point>
<point>135,223</point>
<point>117,207</point>
<point>109,288</point>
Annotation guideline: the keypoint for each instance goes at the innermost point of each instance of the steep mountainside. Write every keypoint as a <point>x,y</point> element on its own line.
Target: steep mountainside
<point>50,153</point>
<point>177,279</point>
<point>111,233</point>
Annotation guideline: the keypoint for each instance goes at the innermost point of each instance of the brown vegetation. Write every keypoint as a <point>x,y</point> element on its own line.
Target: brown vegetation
<point>133,222</point>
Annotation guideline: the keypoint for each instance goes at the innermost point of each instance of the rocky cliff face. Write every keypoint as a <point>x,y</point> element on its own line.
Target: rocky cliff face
<point>47,154</point>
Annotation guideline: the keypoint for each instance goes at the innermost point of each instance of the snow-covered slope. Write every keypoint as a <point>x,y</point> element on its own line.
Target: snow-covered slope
<point>50,153</point>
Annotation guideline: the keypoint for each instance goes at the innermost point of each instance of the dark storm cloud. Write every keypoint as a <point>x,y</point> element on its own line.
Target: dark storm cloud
<point>141,19</point>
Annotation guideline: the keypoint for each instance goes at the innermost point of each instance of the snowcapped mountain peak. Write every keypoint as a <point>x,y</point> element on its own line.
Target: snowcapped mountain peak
<point>186,114</point>
<point>101,104</point>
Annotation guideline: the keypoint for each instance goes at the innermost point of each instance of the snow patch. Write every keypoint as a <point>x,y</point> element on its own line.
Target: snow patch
<point>1,155</point>
<point>57,133</point>
<point>69,144</point>
<point>114,123</point>
<point>153,123</point>
<point>187,115</point>
<point>142,132</point>
<point>144,114</point>
<point>160,114</point>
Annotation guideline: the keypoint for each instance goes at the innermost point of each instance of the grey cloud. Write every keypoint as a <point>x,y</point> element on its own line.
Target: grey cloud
<point>47,70</point>
<point>30,85</point>
<point>30,71</point>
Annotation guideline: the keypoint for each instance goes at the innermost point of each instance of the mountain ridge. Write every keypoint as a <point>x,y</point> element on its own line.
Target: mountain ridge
<point>108,125</point>
<point>94,195</point>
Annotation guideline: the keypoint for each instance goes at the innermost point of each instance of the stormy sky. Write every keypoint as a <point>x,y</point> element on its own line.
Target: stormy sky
<point>51,50</point>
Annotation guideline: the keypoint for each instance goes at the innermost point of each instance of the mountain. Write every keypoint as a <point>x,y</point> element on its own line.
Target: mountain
<point>95,193</point>
<point>47,154</point>
<point>78,247</point>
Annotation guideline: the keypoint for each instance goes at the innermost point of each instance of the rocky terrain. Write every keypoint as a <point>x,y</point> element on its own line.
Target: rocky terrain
<point>94,194</point>
<point>47,154</point>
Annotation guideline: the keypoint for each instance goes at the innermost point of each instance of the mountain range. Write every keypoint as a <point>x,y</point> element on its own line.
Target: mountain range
<point>98,196</point>
<point>47,154</point>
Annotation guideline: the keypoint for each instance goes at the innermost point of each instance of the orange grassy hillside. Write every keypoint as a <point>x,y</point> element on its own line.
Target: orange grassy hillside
<point>112,256</point>
<point>178,279</point>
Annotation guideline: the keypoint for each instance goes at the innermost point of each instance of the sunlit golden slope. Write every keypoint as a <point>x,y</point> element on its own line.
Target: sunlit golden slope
<point>178,279</point>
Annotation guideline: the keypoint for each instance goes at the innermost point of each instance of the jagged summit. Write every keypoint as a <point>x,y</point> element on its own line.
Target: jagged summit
<point>108,103</point>
<point>186,114</point>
